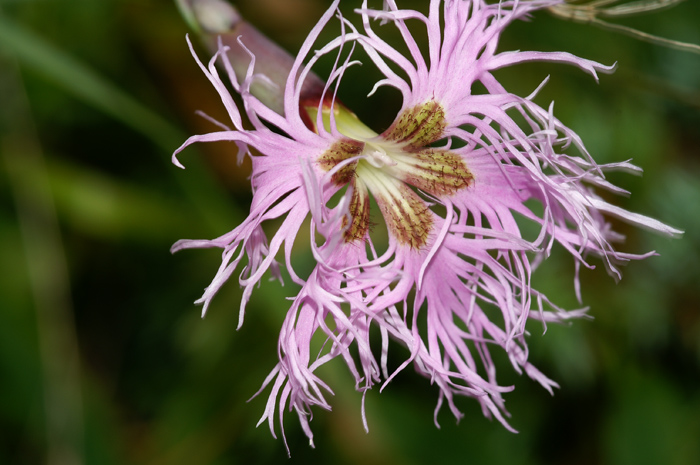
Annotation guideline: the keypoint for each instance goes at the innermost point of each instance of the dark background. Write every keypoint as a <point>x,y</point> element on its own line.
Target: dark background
<point>104,359</point>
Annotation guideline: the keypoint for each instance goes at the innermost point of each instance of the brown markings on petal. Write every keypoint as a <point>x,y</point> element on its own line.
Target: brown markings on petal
<point>407,217</point>
<point>418,126</point>
<point>359,212</point>
<point>438,173</point>
<point>337,153</point>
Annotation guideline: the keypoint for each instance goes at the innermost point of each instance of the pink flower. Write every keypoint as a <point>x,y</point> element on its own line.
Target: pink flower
<point>450,177</point>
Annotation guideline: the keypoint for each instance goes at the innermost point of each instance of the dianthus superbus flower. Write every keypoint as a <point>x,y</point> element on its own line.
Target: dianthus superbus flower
<point>449,178</point>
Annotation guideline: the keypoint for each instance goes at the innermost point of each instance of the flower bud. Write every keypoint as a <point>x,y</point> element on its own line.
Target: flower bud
<point>220,24</point>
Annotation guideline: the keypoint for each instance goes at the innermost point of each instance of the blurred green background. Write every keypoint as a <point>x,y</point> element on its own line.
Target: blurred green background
<point>104,359</point>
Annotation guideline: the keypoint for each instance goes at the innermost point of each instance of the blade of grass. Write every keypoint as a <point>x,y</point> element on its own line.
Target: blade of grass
<point>84,84</point>
<point>47,274</point>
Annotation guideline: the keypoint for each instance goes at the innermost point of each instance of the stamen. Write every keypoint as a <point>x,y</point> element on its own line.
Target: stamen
<point>386,167</point>
<point>379,158</point>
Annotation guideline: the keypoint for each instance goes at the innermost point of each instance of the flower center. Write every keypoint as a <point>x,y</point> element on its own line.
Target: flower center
<point>387,164</point>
